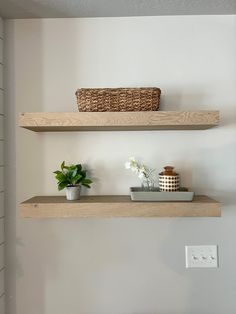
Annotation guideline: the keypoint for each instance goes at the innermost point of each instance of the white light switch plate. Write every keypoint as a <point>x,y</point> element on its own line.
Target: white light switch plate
<point>201,256</point>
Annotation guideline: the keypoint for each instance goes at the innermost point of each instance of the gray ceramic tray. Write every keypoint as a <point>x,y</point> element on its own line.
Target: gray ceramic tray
<point>138,194</point>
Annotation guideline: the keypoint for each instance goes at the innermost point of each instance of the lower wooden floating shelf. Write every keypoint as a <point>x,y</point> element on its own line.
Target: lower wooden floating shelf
<point>109,206</point>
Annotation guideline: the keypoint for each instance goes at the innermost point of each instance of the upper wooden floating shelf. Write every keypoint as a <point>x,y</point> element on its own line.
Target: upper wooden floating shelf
<point>112,121</point>
<point>116,206</point>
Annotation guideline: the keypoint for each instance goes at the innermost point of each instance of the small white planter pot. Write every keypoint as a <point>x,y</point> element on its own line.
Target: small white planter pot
<point>73,192</point>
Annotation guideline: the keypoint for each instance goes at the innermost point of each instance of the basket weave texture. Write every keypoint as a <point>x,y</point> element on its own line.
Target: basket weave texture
<point>118,99</point>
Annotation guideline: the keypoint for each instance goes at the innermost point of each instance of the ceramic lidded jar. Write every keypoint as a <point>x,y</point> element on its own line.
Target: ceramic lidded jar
<point>169,180</point>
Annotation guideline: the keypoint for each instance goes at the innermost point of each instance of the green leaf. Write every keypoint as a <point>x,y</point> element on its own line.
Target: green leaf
<point>62,185</point>
<point>63,165</point>
<point>77,178</point>
<point>87,181</point>
<point>57,172</point>
<point>60,177</point>
<point>79,167</point>
<point>74,173</point>
<point>70,175</point>
<point>87,186</point>
<point>83,173</point>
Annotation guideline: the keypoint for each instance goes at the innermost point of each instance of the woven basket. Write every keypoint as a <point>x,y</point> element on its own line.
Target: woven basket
<point>118,99</point>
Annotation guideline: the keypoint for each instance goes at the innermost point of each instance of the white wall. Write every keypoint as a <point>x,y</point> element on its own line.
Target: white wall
<point>2,238</point>
<point>121,265</point>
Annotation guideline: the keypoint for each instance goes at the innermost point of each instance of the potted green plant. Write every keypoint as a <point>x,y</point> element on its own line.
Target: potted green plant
<point>71,178</point>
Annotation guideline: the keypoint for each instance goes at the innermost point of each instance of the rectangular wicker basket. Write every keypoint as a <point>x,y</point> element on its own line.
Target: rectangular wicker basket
<point>118,99</point>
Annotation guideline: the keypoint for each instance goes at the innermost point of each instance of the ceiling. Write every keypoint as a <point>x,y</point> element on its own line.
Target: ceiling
<point>14,9</point>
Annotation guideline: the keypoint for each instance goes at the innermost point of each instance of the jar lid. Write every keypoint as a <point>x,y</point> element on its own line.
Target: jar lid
<point>168,171</point>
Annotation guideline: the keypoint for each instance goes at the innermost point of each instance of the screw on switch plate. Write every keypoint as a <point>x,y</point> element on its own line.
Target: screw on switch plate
<point>201,256</point>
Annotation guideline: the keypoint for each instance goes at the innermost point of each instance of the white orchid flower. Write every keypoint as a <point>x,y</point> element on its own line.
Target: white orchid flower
<point>141,175</point>
<point>141,170</point>
<point>127,165</point>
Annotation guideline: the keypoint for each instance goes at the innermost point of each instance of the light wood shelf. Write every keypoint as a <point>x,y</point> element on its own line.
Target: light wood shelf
<point>112,121</point>
<point>116,206</point>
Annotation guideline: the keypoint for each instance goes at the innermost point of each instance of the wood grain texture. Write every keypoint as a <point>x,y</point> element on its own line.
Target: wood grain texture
<point>111,121</point>
<point>116,206</point>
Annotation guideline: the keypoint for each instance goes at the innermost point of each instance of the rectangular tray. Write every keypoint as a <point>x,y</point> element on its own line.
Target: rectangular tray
<point>138,194</point>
